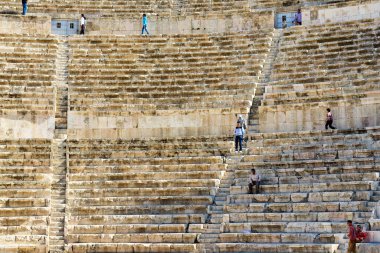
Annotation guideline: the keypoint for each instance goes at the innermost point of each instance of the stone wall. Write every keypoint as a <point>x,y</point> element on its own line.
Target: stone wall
<point>321,15</point>
<point>24,125</point>
<point>183,24</point>
<point>164,124</point>
<point>363,112</point>
<point>17,24</point>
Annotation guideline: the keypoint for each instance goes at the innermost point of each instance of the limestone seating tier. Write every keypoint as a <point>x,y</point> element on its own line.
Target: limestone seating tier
<point>132,8</point>
<point>292,4</point>
<point>308,191</point>
<point>28,70</point>
<point>142,193</point>
<point>338,70</point>
<point>275,247</point>
<point>107,7</point>
<point>208,64</point>
<point>24,195</point>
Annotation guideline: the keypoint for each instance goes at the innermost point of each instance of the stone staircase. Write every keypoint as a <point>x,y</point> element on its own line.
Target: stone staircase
<point>253,117</point>
<point>58,197</point>
<point>215,222</point>
<point>59,146</point>
<point>61,83</point>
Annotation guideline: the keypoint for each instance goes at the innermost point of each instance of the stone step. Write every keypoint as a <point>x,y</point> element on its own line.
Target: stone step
<point>217,208</point>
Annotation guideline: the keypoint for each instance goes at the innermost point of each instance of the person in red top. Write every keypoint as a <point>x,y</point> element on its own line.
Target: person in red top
<point>360,234</point>
<point>351,234</point>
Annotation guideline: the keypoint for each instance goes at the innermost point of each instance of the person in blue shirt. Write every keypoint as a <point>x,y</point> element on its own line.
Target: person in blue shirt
<point>298,18</point>
<point>145,24</point>
<point>24,7</point>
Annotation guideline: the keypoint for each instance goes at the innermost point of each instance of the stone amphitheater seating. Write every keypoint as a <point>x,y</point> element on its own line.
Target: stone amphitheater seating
<point>141,195</point>
<point>28,70</point>
<point>293,4</point>
<point>25,176</point>
<point>324,66</point>
<point>312,183</point>
<point>194,81</point>
<point>130,8</point>
<point>220,6</point>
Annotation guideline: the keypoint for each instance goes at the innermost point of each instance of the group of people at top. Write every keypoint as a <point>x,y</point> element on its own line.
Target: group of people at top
<point>83,19</point>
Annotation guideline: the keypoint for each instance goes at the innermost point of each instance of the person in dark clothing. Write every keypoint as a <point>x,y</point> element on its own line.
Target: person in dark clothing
<point>239,133</point>
<point>329,120</point>
<point>24,7</point>
<point>82,24</point>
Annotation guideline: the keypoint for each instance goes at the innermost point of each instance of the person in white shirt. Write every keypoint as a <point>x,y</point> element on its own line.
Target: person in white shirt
<point>82,24</point>
<point>254,180</point>
<point>239,133</point>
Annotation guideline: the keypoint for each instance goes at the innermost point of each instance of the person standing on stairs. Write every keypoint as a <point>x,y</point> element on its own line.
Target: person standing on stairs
<point>254,180</point>
<point>241,121</point>
<point>329,120</point>
<point>351,234</point>
<point>82,24</point>
<point>24,7</point>
<point>144,24</point>
<point>239,133</point>
<point>298,18</point>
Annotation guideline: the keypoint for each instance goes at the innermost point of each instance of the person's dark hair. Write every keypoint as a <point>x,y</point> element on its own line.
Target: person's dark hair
<point>253,170</point>
<point>328,109</point>
<point>349,221</point>
<point>299,10</point>
<point>144,15</point>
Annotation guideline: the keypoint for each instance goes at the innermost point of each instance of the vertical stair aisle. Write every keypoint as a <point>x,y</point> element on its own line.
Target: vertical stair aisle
<point>210,232</point>
<point>264,78</point>
<point>58,201</point>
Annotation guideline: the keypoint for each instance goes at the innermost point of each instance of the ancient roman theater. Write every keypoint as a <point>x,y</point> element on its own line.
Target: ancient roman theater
<point>114,141</point>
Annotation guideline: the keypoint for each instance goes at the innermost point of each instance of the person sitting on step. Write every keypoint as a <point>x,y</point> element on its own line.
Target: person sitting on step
<point>254,180</point>
<point>360,234</point>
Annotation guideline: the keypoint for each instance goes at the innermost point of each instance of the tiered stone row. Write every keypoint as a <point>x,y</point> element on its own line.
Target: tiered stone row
<point>129,8</point>
<point>141,195</point>
<point>294,4</point>
<point>164,72</point>
<point>324,66</point>
<point>27,64</point>
<point>209,77</point>
<point>312,182</point>
<point>25,176</point>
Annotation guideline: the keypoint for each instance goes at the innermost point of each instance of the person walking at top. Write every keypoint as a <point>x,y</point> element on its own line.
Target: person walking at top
<point>144,24</point>
<point>239,132</point>
<point>254,180</point>
<point>351,234</point>
<point>82,24</point>
<point>298,18</point>
<point>24,7</point>
<point>329,120</point>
